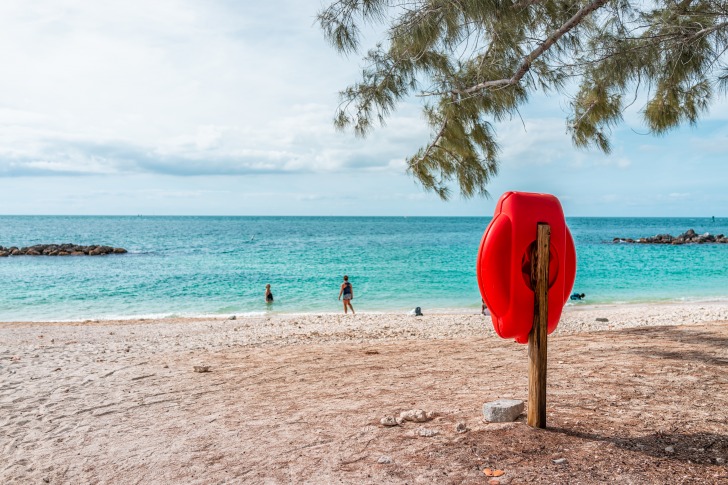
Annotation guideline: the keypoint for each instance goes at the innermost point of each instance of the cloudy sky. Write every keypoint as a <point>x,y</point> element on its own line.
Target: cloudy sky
<point>225,107</point>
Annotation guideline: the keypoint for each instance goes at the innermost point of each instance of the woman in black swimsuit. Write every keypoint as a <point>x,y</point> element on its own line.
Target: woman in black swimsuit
<point>268,294</point>
<point>348,293</point>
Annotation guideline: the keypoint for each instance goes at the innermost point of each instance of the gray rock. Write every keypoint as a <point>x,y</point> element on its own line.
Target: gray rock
<point>201,368</point>
<point>384,460</point>
<point>559,461</point>
<point>671,449</point>
<point>502,410</point>
<point>461,427</point>
<point>602,319</point>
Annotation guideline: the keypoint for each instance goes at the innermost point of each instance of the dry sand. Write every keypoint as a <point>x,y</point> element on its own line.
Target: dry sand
<point>641,398</point>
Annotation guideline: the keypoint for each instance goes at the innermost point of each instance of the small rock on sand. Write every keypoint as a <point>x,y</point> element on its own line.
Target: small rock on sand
<point>559,461</point>
<point>201,368</point>
<point>502,410</point>
<point>388,421</point>
<point>602,319</point>
<point>670,449</point>
<point>427,433</point>
<point>384,459</point>
<point>461,427</point>
<point>416,415</point>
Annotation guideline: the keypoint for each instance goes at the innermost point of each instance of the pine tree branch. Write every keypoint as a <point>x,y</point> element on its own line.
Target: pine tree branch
<point>707,31</point>
<point>433,144</point>
<point>545,45</point>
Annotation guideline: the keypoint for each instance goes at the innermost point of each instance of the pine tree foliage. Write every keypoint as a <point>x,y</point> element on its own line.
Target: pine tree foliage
<point>474,62</point>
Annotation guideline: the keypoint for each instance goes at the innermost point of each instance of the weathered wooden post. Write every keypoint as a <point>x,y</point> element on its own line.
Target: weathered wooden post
<point>538,338</point>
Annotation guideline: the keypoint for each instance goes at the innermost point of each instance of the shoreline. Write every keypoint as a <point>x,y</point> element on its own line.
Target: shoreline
<point>574,319</point>
<point>469,310</point>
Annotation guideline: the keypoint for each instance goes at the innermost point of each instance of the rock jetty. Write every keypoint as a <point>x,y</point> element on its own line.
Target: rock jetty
<point>59,250</point>
<point>688,237</point>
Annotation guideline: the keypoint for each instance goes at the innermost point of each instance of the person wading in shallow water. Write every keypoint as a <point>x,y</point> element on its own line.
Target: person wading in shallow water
<point>347,291</point>
<point>268,294</point>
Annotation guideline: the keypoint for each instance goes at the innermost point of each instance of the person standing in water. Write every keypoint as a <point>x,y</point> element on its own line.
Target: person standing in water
<point>268,294</point>
<point>347,291</point>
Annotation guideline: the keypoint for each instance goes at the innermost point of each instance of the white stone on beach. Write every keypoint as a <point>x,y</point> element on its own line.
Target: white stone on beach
<point>427,433</point>
<point>384,459</point>
<point>559,461</point>
<point>416,415</point>
<point>388,421</point>
<point>502,410</point>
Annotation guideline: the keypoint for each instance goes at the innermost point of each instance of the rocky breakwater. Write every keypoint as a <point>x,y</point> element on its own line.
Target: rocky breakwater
<point>688,237</point>
<point>59,250</point>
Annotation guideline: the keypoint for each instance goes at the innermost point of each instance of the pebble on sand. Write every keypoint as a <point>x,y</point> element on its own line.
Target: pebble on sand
<point>384,459</point>
<point>416,415</point>
<point>427,433</point>
<point>388,421</point>
<point>201,368</point>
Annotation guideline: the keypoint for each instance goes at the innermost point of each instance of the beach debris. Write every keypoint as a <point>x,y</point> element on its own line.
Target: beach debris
<point>502,410</point>
<point>461,427</point>
<point>56,369</point>
<point>201,368</point>
<point>233,317</point>
<point>560,461</point>
<point>493,472</point>
<point>417,312</point>
<point>385,460</point>
<point>670,449</point>
<point>602,319</point>
<point>142,377</point>
<point>388,421</point>
<point>427,432</point>
<point>371,352</point>
<point>416,415</point>
<point>15,358</point>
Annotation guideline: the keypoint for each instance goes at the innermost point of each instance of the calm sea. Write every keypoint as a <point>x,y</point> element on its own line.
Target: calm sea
<point>220,265</point>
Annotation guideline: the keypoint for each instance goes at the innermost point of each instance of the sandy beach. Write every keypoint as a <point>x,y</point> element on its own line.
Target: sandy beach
<point>639,398</point>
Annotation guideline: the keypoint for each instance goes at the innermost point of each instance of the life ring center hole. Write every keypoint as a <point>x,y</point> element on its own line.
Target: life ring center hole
<point>527,261</point>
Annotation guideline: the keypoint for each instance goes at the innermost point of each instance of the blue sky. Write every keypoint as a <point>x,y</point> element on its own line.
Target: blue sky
<point>221,107</point>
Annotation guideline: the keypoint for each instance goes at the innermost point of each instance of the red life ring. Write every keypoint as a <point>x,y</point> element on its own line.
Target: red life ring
<point>504,262</point>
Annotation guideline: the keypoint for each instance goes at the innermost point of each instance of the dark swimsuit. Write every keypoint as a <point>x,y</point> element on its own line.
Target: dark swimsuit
<point>269,297</point>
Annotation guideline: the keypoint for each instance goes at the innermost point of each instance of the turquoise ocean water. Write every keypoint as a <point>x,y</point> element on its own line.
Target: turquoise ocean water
<point>219,265</point>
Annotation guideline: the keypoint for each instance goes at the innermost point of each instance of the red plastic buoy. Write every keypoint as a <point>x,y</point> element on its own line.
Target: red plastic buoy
<point>504,262</point>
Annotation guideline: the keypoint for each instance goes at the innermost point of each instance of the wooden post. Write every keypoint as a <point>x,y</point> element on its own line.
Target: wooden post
<point>537,357</point>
